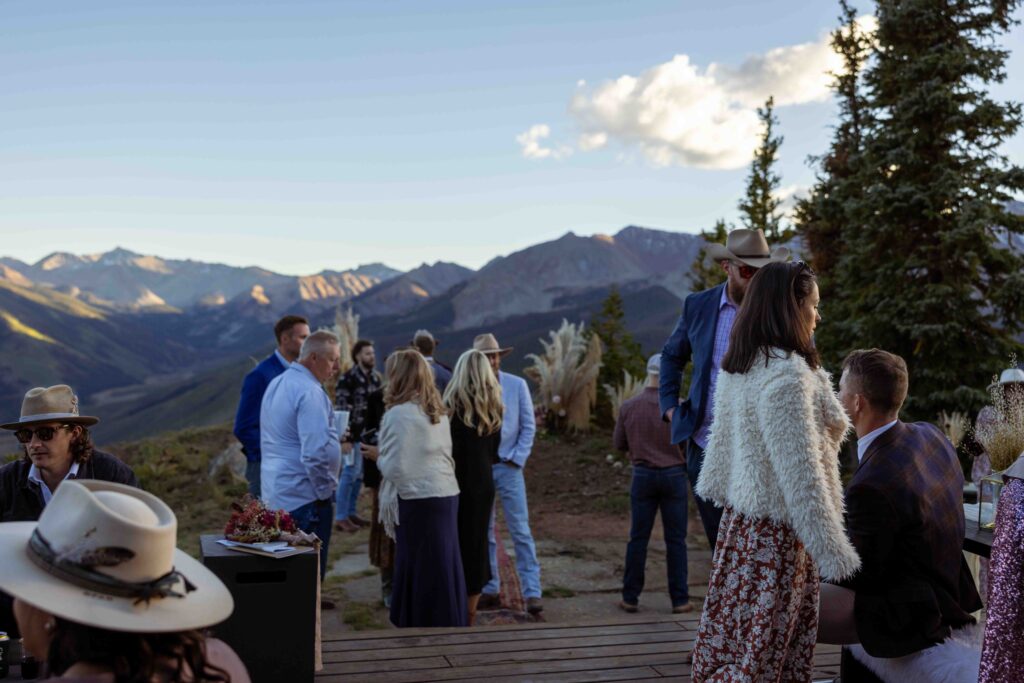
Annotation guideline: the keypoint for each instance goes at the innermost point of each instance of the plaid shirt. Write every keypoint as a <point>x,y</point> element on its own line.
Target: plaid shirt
<point>641,431</point>
<point>351,394</point>
<point>905,517</point>
<point>726,317</point>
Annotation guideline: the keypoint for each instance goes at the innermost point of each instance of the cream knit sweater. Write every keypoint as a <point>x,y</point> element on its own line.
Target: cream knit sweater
<point>773,452</point>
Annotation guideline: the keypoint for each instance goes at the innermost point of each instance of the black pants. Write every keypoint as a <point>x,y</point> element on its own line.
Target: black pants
<point>710,514</point>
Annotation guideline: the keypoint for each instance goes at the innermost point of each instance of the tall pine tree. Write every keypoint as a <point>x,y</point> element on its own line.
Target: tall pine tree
<point>822,218</point>
<point>760,208</point>
<point>925,273</point>
<point>704,273</point>
<point>621,351</point>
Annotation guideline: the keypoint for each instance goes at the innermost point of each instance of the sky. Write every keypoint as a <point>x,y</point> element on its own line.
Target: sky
<point>301,136</point>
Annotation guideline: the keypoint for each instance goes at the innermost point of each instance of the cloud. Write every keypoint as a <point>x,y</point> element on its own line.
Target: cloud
<point>790,195</point>
<point>533,148</point>
<point>677,113</point>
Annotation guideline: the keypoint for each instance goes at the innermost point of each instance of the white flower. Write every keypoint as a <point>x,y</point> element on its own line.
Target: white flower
<point>556,399</point>
<point>610,458</point>
<point>561,413</point>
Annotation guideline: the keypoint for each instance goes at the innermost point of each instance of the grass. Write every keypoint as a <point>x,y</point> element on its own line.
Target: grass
<point>362,616</point>
<point>558,592</point>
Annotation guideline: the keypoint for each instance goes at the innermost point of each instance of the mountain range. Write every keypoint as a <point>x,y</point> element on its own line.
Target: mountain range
<point>153,344</point>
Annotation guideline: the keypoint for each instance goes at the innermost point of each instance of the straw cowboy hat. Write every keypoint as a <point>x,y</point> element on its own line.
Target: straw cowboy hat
<point>104,555</point>
<point>749,247</point>
<point>1009,376</point>
<point>50,404</point>
<point>487,343</point>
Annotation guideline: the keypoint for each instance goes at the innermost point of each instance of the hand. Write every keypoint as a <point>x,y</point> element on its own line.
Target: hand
<point>670,413</point>
<point>346,447</point>
<point>369,452</point>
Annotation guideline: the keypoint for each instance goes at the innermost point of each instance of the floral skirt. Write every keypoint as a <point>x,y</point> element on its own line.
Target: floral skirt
<point>760,619</point>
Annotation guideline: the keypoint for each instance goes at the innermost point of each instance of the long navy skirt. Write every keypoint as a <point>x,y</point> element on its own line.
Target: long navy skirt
<point>428,587</point>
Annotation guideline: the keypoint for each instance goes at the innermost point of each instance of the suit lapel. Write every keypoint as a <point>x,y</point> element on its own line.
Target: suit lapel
<point>884,441</point>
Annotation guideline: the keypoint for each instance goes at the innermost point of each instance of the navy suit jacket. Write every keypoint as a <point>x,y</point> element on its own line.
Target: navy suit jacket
<point>905,517</point>
<point>693,338</point>
<point>247,419</point>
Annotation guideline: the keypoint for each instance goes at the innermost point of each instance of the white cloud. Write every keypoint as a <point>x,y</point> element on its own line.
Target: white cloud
<point>533,147</point>
<point>790,195</point>
<point>677,113</point>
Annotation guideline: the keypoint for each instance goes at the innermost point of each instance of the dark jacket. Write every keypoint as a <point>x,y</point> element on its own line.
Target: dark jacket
<point>22,501</point>
<point>693,338</point>
<point>371,432</point>
<point>442,375</point>
<point>905,517</point>
<point>351,394</point>
<point>247,419</point>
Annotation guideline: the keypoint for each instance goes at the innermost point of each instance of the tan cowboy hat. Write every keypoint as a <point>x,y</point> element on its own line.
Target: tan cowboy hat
<point>104,555</point>
<point>749,247</point>
<point>487,343</point>
<point>50,404</point>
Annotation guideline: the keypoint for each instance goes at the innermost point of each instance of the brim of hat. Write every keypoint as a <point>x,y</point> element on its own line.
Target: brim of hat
<point>84,420</point>
<point>717,252</point>
<point>210,603</point>
<point>502,352</point>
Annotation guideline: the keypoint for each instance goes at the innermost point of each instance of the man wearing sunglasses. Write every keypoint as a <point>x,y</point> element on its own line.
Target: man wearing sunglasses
<point>702,335</point>
<point>57,447</point>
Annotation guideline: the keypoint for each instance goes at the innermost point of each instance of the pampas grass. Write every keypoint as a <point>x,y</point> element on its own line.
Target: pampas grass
<point>631,386</point>
<point>954,425</point>
<point>1003,436</point>
<point>346,326</point>
<point>566,375</point>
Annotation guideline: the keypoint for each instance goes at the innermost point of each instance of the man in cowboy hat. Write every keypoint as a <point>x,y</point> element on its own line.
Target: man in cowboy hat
<point>517,430</point>
<point>57,448</point>
<point>702,335</point>
<point>425,343</point>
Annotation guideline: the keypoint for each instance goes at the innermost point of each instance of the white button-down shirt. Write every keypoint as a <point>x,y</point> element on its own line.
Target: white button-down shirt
<point>33,475</point>
<point>865,441</point>
<point>301,455</point>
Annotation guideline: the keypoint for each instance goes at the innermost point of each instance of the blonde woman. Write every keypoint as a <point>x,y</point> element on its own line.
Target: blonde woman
<point>419,498</point>
<point>473,400</point>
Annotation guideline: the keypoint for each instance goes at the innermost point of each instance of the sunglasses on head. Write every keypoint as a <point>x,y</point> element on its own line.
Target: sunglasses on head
<point>746,272</point>
<point>44,433</point>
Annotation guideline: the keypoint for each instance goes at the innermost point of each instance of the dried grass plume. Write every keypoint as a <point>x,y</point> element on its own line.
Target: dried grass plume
<point>566,375</point>
<point>631,386</point>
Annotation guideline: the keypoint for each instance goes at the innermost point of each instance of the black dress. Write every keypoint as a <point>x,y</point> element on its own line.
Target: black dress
<point>474,455</point>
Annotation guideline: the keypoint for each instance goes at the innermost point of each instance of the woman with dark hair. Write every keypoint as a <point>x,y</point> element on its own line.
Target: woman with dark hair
<point>102,595</point>
<point>772,463</point>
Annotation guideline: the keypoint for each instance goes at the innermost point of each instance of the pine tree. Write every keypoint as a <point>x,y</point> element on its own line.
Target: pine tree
<point>760,207</point>
<point>926,273</point>
<point>621,351</point>
<point>705,274</point>
<point>822,219</point>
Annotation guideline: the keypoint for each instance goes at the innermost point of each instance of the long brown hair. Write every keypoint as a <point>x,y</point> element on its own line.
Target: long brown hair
<point>133,657</point>
<point>410,380</point>
<point>771,318</point>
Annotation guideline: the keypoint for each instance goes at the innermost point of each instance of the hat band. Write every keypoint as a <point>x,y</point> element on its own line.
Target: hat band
<point>48,416</point>
<point>82,575</point>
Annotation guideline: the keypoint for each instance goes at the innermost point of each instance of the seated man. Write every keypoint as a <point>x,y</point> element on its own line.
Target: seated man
<point>904,514</point>
<point>57,447</point>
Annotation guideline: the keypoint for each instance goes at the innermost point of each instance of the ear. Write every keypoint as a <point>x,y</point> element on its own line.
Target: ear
<point>725,266</point>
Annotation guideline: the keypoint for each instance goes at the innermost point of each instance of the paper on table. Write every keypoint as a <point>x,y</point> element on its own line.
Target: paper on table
<point>272,547</point>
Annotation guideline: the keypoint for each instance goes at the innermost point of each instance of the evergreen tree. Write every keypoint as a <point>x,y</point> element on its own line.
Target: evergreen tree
<point>760,207</point>
<point>822,219</point>
<point>705,274</point>
<point>927,274</point>
<point>621,351</point>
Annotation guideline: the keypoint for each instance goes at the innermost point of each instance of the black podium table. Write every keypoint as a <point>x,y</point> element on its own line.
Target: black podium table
<point>273,627</point>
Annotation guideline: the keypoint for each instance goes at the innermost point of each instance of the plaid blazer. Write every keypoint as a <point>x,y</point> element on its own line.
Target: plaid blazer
<point>905,517</point>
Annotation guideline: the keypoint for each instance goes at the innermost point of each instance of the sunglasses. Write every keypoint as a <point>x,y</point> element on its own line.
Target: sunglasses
<point>44,433</point>
<point>746,272</point>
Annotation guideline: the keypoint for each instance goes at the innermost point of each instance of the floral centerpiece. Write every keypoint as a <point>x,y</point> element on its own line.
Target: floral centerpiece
<point>253,522</point>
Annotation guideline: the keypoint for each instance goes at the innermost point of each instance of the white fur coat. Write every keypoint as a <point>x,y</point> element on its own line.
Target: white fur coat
<point>773,453</point>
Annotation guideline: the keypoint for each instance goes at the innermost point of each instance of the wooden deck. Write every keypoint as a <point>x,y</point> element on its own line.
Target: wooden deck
<point>641,649</point>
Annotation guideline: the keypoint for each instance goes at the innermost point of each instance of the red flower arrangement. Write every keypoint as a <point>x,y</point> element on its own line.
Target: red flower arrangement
<point>252,522</point>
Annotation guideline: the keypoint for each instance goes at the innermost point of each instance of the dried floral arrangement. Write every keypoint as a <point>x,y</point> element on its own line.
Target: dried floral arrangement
<point>253,522</point>
<point>566,376</point>
<point>1000,427</point>
<point>631,386</point>
<point>955,426</point>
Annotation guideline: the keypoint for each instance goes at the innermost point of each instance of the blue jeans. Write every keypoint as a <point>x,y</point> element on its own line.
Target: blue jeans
<point>655,489</point>
<point>349,484</point>
<point>252,475</point>
<point>315,518</point>
<point>710,514</point>
<point>510,487</point>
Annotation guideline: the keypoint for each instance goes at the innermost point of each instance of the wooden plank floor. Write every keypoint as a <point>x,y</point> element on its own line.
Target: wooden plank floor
<point>634,649</point>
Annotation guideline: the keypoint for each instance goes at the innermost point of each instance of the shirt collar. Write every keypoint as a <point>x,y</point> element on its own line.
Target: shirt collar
<point>865,441</point>
<point>725,300</point>
<point>302,369</point>
<point>33,476</point>
<point>280,357</point>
